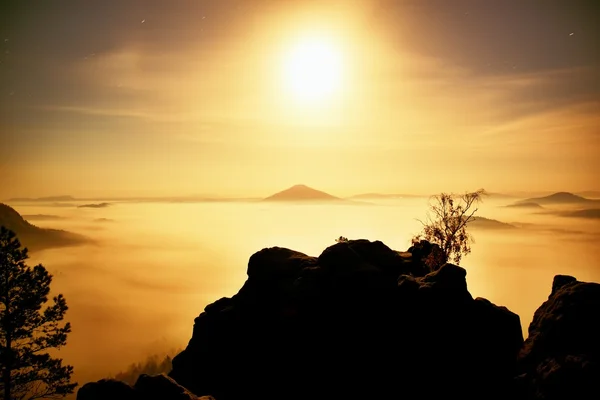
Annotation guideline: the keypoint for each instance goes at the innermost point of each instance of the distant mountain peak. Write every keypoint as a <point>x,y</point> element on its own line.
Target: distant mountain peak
<point>565,195</point>
<point>557,198</point>
<point>301,192</point>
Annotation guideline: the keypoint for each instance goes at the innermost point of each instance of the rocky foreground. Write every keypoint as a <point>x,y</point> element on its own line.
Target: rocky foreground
<point>362,321</point>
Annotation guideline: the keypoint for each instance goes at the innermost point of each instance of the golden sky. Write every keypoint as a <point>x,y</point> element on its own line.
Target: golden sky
<point>245,98</point>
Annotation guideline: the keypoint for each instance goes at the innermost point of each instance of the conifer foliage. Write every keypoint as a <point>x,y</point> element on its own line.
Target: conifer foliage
<point>29,328</point>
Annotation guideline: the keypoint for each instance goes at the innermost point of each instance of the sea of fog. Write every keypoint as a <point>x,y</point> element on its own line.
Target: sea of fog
<point>154,266</point>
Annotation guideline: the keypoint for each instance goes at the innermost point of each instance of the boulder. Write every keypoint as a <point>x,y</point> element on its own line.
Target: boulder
<point>561,357</point>
<point>147,387</point>
<point>355,322</point>
<point>105,389</point>
<point>277,262</point>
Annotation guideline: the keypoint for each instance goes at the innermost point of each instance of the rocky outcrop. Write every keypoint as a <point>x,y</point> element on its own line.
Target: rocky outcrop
<point>351,323</point>
<point>107,389</point>
<point>362,321</point>
<point>157,387</point>
<point>561,357</point>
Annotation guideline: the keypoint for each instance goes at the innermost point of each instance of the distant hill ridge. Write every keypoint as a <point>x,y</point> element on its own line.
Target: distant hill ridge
<point>36,238</point>
<point>48,198</point>
<point>488,223</point>
<point>558,198</point>
<point>301,193</point>
<point>592,213</point>
<point>11,219</point>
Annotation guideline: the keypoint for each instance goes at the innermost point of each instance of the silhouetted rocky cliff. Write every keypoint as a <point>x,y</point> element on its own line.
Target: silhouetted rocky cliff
<point>561,356</point>
<point>362,321</point>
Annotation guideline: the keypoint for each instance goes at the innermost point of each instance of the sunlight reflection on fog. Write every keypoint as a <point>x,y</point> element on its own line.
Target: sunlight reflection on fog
<point>156,265</point>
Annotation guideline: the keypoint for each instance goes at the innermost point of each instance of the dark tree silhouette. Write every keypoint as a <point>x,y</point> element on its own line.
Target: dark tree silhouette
<point>28,330</point>
<point>446,226</point>
<point>154,364</point>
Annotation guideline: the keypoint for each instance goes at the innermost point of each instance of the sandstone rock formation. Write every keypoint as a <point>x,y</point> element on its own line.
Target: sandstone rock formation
<point>351,323</point>
<point>561,356</point>
<point>363,321</point>
<point>157,387</point>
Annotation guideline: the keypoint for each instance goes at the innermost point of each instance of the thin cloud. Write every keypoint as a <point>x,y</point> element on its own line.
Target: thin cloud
<point>120,112</point>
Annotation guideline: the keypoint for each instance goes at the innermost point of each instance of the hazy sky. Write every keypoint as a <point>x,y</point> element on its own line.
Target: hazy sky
<point>202,97</point>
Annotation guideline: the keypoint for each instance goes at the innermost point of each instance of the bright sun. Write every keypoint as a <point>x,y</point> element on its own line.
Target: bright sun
<point>313,70</point>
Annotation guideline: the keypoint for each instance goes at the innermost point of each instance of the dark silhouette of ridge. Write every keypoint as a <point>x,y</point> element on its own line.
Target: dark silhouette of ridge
<point>592,213</point>
<point>42,217</point>
<point>301,193</point>
<point>558,198</point>
<point>104,220</point>
<point>488,223</point>
<point>35,238</point>
<point>94,205</point>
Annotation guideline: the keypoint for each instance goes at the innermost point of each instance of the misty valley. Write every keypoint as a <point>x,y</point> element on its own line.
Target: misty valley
<point>142,271</point>
<point>152,248</point>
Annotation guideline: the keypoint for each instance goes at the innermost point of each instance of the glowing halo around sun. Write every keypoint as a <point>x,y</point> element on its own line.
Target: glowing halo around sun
<point>312,71</point>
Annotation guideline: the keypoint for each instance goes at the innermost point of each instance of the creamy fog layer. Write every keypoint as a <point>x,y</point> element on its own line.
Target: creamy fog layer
<point>150,267</point>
